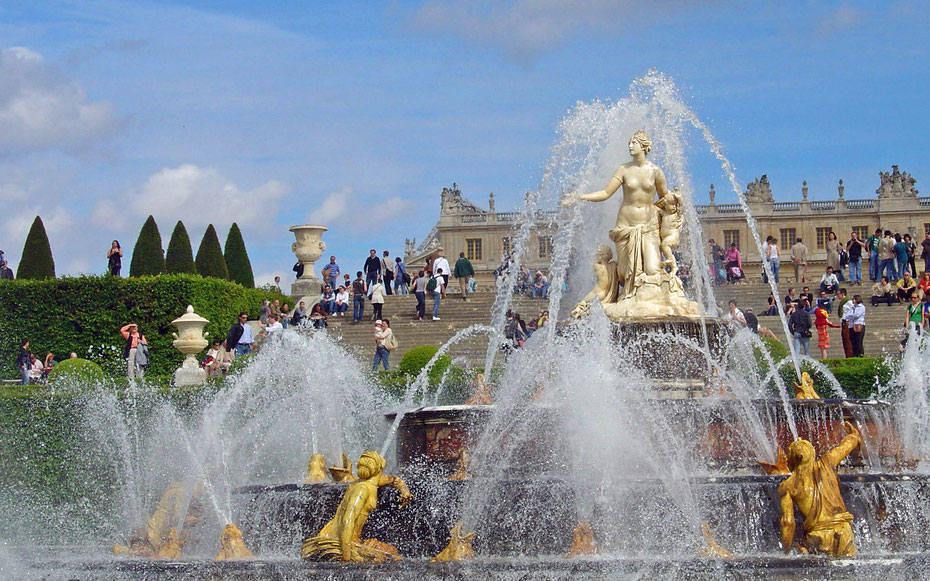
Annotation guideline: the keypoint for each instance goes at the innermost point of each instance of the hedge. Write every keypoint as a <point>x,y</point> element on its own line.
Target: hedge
<point>209,260</point>
<point>148,258</point>
<point>237,258</point>
<point>180,258</point>
<point>80,314</point>
<point>76,370</point>
<point>36,261</point>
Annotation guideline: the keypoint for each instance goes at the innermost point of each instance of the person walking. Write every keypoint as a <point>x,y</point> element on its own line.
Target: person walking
<point>377,298</point>
<point>886,256</point>
<point>372,268</point>
<point>134,338</point>
<point>856,320</point>
<point>115,258</point>
<point>387,271</point>
<point>823,324</point>
<point>911,254</point>
<point>463,270</point>
<point>401,278</point>
<point>22,362</point>
<point>239,340</point>
<point>436,285</point>
<point>771,254</point>
<point>871,244</point>
<point>334,272</point>
<point>834,248</point>
<point>799,260</point>
<point>359,290</point>
<point>854,249</point>
<point>440,263</point>
<point>384,344</point>
<point>799,324</point>
<point>419,291</point>
<point>842,301</point>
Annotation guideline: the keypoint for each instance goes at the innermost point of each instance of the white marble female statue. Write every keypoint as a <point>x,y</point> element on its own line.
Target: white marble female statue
<point>645,229</point>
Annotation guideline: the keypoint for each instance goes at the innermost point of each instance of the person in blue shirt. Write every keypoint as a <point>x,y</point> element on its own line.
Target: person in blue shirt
<point>900,253</point>
<point>333,272</point>
<point>400,273</point>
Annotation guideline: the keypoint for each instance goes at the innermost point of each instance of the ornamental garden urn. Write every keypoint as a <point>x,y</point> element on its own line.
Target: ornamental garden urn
<point>308,249</point>
<point>190,340</point>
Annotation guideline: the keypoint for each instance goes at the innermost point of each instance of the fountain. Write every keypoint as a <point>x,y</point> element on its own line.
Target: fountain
<point>641,436</point>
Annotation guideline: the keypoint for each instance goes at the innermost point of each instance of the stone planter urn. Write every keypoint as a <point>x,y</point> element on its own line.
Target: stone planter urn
<point>190,340</point>
<point>308,249</point>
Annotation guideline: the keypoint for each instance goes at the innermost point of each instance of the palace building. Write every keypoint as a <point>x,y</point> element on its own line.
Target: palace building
<point>485,235</point>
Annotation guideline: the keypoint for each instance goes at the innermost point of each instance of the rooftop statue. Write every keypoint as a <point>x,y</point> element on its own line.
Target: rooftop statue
<point>647,231</point>
<point>815,488</point>
<point>759,191</point>
<point>897,184</point>
<point>340,539</point>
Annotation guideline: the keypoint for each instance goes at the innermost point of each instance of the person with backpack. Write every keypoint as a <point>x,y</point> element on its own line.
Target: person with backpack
<point>799,323</point>
<point>401,278</point>
<point>419,291</point>
<point>359,290</point>
<point>135,342</point>
<point>436,286</point>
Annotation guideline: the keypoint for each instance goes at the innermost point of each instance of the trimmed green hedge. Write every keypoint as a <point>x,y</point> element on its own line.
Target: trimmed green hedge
<point>36,261</point>
<point>416,359</point>
<point>79,370</point>
<point>76,314</point>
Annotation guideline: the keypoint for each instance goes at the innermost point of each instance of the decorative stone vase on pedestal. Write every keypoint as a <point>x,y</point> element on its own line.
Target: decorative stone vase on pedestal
<point>308,249</point>
<point>190,340</point>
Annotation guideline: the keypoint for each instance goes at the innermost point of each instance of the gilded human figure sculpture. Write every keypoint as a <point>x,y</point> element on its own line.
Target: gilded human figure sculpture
<point>232,547</point>
<point>645,236</point>
<point>805,390</point>
<point>814,486</point>
<point>340,539</point>
<point>316,469</point>
<point>459,547</point>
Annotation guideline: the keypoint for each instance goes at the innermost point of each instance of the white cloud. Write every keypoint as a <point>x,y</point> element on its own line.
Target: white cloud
<point>200,196</point>
<point>333,208</point>
<point>42,108</point>
<point>343,207</point>
<point>843,18</point>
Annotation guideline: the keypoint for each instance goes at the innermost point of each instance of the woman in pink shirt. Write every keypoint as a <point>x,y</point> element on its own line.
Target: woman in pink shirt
<point>734,264</point>
<point>133,337</point>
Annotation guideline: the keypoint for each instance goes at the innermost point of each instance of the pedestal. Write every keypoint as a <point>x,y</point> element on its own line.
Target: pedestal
<point>190,373</point>
<point>304,287</point>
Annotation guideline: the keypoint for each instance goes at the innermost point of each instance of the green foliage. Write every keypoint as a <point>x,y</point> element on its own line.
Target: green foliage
<point>858,376</point>
<point>74,314</point>
<point>180,257</point>
<point>77,371</point>
<point>37,261</point>
<point>148,258</point>
<point>416,359</point>
<point>210,261</point>
<point>239,363</point>
<point>237,259</point>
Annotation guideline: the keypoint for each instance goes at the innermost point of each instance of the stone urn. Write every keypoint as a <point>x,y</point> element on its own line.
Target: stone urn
<point>308,249</point>
<point>190,340</point>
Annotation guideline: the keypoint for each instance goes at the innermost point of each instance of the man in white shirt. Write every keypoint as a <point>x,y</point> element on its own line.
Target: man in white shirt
<point>854,316</point>
<point>440,262</point>
<point>274,326</point>
<point>438,292</point>
<point>828,282</point>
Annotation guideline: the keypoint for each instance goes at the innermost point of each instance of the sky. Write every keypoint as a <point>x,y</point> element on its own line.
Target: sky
<point>355,115</point>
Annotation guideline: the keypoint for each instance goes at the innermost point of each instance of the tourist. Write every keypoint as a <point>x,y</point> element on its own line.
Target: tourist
<point>277,284</point>
<point>906,286</point>
<point>822,322</point>
<point>134,338</point>
<point>328,299</point>
<point>925,252</point>
<point>856,321</point>
<point>298,269</point>
<point>6,273</point>
<point>834,248</point>
<point>854,250</point>
<point>274,326</point>
<point>684,274</point>
<point>735,314</point>
<point>872,243</point>
<point>359,291</point>
<point>387,271</point>
<point>886,256</point>
<point>377,297</point>
<point>276,309</point>
<point>34,368</point>
<point>464,272</point>
<point>440,263</point>
<point>901,255</point>
<point>799,324</point>
<point>842,300</point>
<point>799,261</point>
<point>22,362</point>
<point>717,255</point>
<point>300,313</point>
<point>772,309</point>
<point>522,284</point>
<point>791,298</point>
<point>829,282</point>
<point>436,285</point>
<point>401,278</point>
<point>911,254</point>
<point>806,299</point>
<point>923,287</point>
<point>752,323</point>
<point>824,302</point>
<point>285,316</point>
<point>239,340</point>
<point>915,318</point>
<point>881,292</point>
<point>317,317</point>
<point>342,301</point>
<point>540,286</point>
<point>384,343</point>
<point>217,361</point>
<point>734,264</point>
<point>115,258</point>
<point>543,320</point>
<point>372,268</point>
<point>346,281</point>
<point>264,311</point>
<point>334,272</point>
<point>419,291</point>
<point>771,253</point>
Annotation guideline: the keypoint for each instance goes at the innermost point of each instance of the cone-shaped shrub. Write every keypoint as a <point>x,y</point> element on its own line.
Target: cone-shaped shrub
<point>210,261</point>
<point>37,261</point>
<point>180,258</point>
<point>237,259</point>
<point>148,257</point>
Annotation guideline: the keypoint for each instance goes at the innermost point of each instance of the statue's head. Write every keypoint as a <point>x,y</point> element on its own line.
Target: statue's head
<point>230,533</point>
<point>806,378</point>
<point>643,139</point>
<point>370,464</point>
<point>604,253</point>
<point>800,452</point>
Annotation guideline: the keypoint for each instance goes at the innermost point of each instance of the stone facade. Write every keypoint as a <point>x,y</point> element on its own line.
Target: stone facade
<point>463,226</point>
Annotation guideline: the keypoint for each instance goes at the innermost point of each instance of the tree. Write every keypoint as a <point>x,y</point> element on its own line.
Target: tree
<point>237,259</point>
<point>148,257</point>
<point>37,261</point>
<point>180,258</point>
<point>210,261</point>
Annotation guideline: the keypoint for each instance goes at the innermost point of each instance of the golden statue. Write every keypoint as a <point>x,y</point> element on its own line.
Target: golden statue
<point>163,521</point>
<point>605,289</point>
<point>462,465</point>
<point>343,473</point>
<point>815,488</point>
<point>712,549</point>
<point>582,541</point>
<point>779,467</point>
<point>316,469</point>
<point>482,393</point>
<point>646,228</point>
<point>171,548</point>
<point>340,538</point>
<point>459,547</point>
<point>232,547</point>
<point>806,389</point>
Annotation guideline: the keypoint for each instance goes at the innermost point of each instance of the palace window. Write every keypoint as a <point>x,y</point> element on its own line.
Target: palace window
<point>730,237</point>
<point>506,246</point>
<point>473,248</point>
<point>862,232</point>
<point>545,247</point>
<point>786,238</point>
<point>823,234</point>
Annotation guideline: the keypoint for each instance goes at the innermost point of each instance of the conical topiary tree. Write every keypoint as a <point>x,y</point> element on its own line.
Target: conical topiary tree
<point>237,259</point>
<point>180,258</point>
<point>148,257</point>
<point>210,261</point>
<point>37,261</point>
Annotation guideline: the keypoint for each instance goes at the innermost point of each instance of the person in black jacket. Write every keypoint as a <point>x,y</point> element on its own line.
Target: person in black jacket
<point>372,268</point>
<point>239,339</point>
<point>799,323</point>
<point>22,362</point>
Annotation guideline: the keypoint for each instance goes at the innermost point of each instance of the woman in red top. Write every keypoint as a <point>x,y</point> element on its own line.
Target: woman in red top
<point>923,287</point>
<point>823,337</point>
<point>133,337</point>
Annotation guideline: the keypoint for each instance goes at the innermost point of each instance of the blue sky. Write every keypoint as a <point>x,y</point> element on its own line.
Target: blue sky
<point>356,114</point>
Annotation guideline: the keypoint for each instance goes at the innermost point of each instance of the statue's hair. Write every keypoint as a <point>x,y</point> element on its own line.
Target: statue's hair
<point>370,464</point>
<point>643,139</point>
<point>798,450</point>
